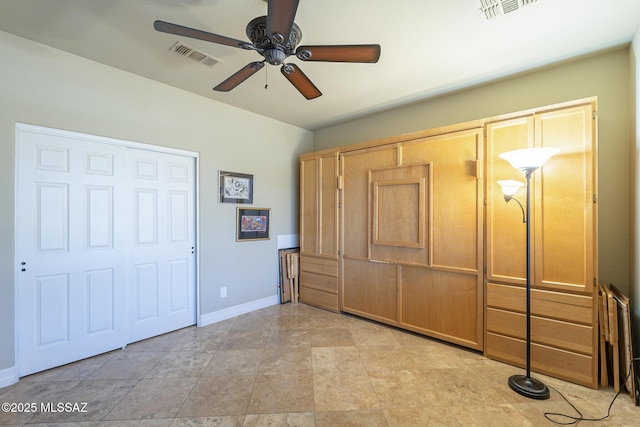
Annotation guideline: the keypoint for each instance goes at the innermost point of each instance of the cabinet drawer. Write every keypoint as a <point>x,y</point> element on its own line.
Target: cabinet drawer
<point>320,299</point>
<point>327,267</point>
<point>555,333</point>
<point>570,366</point>
<point>319,282</point>
<point>556,305</point>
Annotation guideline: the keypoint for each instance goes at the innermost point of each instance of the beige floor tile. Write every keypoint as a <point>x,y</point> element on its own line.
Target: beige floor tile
<point>181,364</point>
<point>217,421</point>
<point>234,362</point>
<point>125,365</point>
<point>372,418</point>
<point>344,392</point>
<point>228,395</point>
<point>286,360</point>
<point>331,337</point>
<point>404,389</point>
<point>277,393</point>
<point>336,359</point>
<point>432,416</point>
<point>153,398</point>
<point>243,339</point>
<point>490,416</point>
<point>302,419</point>
<point>288,338</point>
<point>385,358</point>
<point>297,365</point>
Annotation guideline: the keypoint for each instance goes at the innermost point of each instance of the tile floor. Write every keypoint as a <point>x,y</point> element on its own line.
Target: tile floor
<point>295,365</point>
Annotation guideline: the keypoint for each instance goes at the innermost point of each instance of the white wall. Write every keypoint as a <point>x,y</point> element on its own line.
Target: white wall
<point>44,86</point>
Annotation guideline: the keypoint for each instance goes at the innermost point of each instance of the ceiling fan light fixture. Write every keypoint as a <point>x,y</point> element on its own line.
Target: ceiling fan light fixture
<point>276,37</point>
<point>274,56</point>
<point>257,33</point>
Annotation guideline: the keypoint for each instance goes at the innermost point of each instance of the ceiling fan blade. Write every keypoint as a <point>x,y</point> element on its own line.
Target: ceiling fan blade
<point>340,53</point>
<point>300,81</point>
<point>179,30</point>
<point>280,16</point>
<point>243,74</point>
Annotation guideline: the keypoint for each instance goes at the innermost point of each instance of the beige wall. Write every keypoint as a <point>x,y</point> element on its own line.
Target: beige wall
<point>605,75</point>
<point>44,86</point>
<point>634,294</point>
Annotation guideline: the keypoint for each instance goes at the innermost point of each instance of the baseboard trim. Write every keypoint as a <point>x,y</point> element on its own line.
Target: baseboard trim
<point>231,312</point>
<point>9,376</point>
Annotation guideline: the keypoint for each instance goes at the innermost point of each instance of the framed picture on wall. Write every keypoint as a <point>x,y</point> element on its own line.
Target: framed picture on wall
<point>236,187</point>
<point>252,224</point>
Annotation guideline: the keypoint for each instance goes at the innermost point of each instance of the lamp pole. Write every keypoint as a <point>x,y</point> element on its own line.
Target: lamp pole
<point>527,161</point>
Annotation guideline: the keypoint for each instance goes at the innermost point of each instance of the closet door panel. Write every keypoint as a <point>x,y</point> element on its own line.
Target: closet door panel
<point>328,167</point>
<point>309,206</point>
<point>506,231</point>
<point>564,205</point>
<point>356,206</point>
<point>455,200</point>
<point>442,304</point>
<point>370,289</point>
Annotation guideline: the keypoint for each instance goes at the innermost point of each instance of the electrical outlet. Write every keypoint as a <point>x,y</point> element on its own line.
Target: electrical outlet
<point>223,292</point>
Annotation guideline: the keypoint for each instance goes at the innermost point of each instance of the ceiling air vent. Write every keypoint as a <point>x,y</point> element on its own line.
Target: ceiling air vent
<point>491,9</point>
<point>189,52</point>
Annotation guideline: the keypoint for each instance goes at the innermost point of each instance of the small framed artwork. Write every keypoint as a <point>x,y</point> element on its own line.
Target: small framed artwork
<point>252,224</point>
<point>236,187</point>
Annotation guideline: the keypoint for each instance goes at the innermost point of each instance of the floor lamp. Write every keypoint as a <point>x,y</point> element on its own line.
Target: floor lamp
<point>526,161</point>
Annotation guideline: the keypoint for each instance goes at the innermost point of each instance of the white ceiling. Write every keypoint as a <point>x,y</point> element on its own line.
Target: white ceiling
<point>429,47</point>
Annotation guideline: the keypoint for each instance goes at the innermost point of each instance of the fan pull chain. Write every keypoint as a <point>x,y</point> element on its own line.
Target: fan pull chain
<point>266,76</point>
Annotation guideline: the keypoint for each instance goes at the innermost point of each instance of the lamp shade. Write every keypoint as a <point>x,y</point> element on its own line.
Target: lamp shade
<point>510,187</point>
<point>528,159</point>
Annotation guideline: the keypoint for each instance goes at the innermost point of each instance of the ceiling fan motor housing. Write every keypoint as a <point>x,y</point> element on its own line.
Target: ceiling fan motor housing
<point>273,51</point>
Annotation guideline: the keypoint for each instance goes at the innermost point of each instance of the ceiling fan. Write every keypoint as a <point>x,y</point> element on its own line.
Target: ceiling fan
<point>275,37</point>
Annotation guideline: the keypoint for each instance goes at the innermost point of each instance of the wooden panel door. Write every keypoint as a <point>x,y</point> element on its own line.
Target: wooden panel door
<point>565,210</point>
<point>319,230</point>
<point>319,205</point>
<point>506,230</point>
<point>452,282</point>
<point>369,288</point>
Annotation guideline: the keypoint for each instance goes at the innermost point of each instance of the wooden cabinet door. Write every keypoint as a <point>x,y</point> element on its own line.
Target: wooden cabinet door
<point>369,288</point>
<point>319,205</point>
<point>563,212</point>
<point>564,221</point>
<point>505,234</point>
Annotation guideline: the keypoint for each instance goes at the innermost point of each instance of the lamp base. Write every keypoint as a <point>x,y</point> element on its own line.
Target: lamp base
<point>528,387</point>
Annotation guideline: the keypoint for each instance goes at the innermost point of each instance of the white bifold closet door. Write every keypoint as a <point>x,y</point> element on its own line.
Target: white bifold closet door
<point>105,245</point>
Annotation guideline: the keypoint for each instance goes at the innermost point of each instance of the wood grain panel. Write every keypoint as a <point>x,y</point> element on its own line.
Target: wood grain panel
<point>556,333</point>
<point>400,214</point>
<point>564,223</point>
<point>320,299</point>
<point>556,305</point>
<point>309,206</point>
<point>356,204</point>
<point>328,267</point>
<point>328,221</point>
<point>456,203</point>
<point>429,297</point>
<point>574,367</point>
<point>506,232</point>
<point>370,289</point>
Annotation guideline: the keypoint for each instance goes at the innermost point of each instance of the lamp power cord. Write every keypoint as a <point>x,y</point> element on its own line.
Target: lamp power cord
<point>567,420</point>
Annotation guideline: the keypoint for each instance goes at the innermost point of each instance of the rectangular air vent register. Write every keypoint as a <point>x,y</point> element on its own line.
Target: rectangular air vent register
<point>491,9</point>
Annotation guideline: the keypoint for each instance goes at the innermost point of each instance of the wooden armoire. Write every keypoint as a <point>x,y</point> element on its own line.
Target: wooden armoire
<point>413,231</point>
